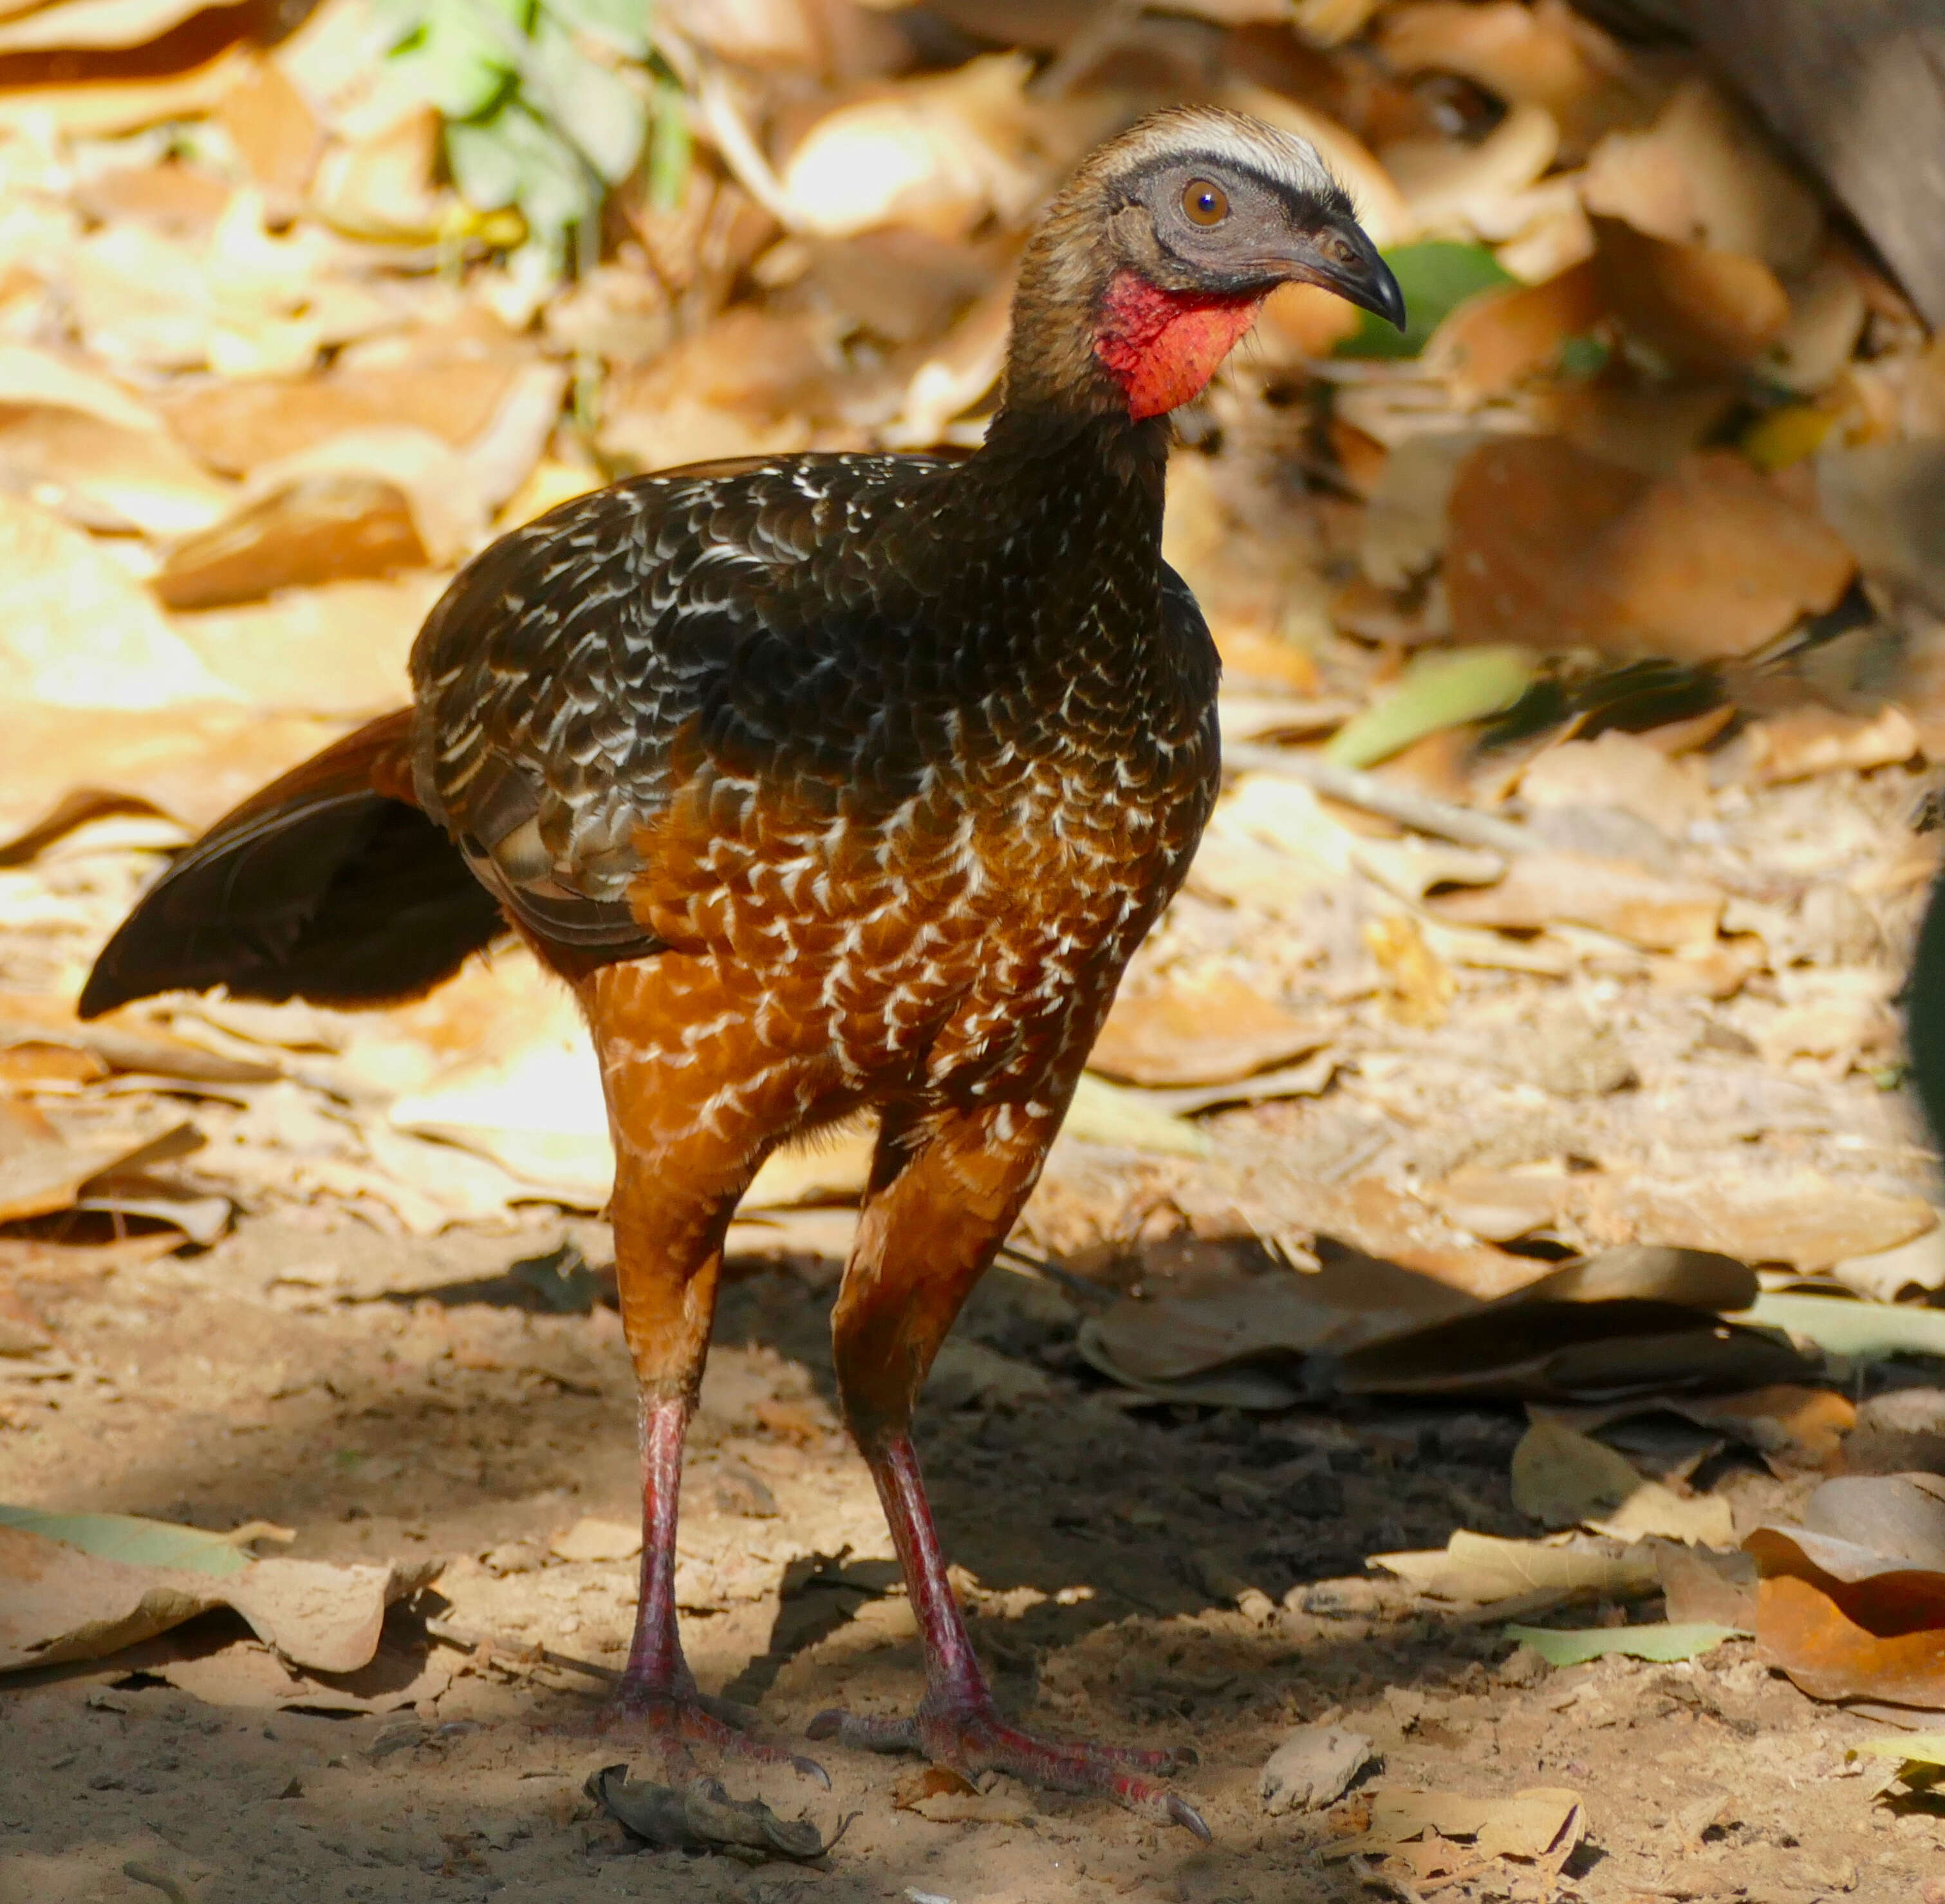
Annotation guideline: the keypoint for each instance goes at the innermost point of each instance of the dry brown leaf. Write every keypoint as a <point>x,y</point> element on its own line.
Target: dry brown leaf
<point>339,649</point>
<point>1478,1570</point>
<point>77,631</point>
<point>1810,741</point>
<point>1706,174</point>
<point>1806,1220</point>
<point>1480,190</point>
<point>1706,311</point>
<point>318,528</point>
<point>1543,53</point>
<point>452,384</point>
<point>1209,1028</point>
<point>931,1782</point>
<point>61,1603</point>
<point>192,762</point>
<point>246,1674</point>
<point>106,477</point>
<point>72,25</point>
<point>1551,545</point>
<point>103,108</point>
<point>939,154</point>
<point>383,186</point>
<point>1419,985</point>
<point>1496,341</point>
<point>1613,895</point>
<point>1501,1205</point>
<point>120,1040</point>
<point>1534,1824</point>
<point>1621,770</point>
<point>273,130</point>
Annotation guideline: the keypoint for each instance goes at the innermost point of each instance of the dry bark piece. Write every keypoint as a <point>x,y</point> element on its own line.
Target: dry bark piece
<point>703,1817</point>
<point>1312,1767</point>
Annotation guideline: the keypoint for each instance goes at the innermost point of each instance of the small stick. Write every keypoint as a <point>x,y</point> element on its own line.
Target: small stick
<point>467,1641</point>
<point>1422,812</point>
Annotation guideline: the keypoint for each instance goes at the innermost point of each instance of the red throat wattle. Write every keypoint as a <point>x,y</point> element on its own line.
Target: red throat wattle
<point>1162,347</point>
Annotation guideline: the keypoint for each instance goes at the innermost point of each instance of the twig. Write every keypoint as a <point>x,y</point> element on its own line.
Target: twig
<point>1091,44</point>
<point>721,118</point>
<point>469,1642</point>
<point>1420,811</point>
<point>1023,1263</point>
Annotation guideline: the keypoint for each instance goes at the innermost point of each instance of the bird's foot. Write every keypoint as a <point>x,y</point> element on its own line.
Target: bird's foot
<point>674,1721</point>
<point>971,1738</point>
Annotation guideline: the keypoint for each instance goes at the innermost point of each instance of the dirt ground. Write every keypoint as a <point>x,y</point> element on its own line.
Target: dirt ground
<point>390,1399</point>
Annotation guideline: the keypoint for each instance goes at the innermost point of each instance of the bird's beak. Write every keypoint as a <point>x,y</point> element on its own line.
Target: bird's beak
<point>1342,258</point>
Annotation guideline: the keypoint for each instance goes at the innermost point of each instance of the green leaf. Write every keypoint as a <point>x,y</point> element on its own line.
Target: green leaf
<point>1865,1332</point>
<point>464,55</point>
<point>604,116</point>
<point>139,1543</point>
<point>1436,277</point>
<point>622,24</point>
<point>1561,1646</point>
<point>1437,691</point>
<point>484,164</point>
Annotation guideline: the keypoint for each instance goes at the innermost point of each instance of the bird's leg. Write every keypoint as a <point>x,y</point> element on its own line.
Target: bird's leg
<point>942,1202</point>
<point>679,1170</point>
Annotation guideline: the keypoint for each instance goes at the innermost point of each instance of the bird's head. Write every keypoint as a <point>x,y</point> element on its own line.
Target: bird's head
<point>1156,257</point>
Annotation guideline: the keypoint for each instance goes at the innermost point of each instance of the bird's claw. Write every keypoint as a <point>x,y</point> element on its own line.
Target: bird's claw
<point>971,1740</point>
<point>675,1722</point>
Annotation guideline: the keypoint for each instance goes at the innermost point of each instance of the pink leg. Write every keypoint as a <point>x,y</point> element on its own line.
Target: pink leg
<point>956,1723</point>
<point>657,1692</point>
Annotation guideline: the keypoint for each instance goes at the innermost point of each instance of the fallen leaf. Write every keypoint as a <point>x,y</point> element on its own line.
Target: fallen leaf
<point>931,1782</point>
<point>1706,313</point>
<point>94,24</point>
<point>1420,986</point>
<point>1852,1604</point>
<point>75,629</point>
<point>1864,1331</point>
<point>1529,1825</point>
<point>105,476</point>
<point>1704,174</point>
<point>65,1601</point>
<point>1312,1767</point>
<point>939,154</point>
<point>1437,691</point>
<point>1662,1641</point>
<point>1702,1586</point>
<point>1883,499</point>
<point>1617,896</point>
<point>248,1674</point>
<point>1621,770</point>
<point>1551,545</point>
<point>1560,1476</point>
<point>1210,1028</point>
<point>1889,1275</point>
<point>1819,740</point>
<point>1495,341</point>
<point>41,1172</point>
<point>1478,1569</point>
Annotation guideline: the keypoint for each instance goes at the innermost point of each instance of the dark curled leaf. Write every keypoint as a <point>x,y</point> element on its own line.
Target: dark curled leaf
<point>703,1817</point>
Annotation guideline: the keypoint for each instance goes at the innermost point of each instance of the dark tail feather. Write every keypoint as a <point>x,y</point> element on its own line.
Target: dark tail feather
<point>329,885</point>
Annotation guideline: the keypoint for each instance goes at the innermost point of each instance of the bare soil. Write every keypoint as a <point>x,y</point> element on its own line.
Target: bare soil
<point>392,1399</point>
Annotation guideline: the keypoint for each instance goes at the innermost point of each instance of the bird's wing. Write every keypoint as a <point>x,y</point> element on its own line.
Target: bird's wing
<point>574,675</point>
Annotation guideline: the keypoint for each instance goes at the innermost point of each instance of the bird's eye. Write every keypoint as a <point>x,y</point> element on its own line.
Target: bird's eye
<point>1204,202</point>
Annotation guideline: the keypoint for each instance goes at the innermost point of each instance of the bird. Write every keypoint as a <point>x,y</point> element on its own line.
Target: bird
<point>831,783</point>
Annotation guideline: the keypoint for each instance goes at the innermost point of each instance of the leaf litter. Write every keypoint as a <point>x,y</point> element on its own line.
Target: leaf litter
<point>1614,572</point>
